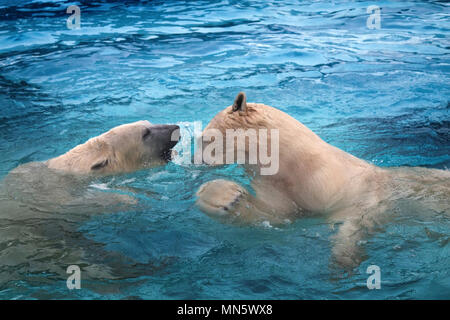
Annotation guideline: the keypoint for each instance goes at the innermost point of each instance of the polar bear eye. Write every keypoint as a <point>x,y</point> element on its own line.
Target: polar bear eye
<point>147,132</point>
<point>100,164</point>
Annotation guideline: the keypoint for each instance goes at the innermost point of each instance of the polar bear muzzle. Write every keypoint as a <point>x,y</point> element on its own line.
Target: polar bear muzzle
<point>125,148</point>
<point>162,138</point>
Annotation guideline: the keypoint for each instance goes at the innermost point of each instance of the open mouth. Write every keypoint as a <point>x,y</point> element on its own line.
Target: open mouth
<point>167,155</point>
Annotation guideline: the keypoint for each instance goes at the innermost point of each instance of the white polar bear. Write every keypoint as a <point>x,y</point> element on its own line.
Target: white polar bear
<point>313,178</point>
<point>61,182</point>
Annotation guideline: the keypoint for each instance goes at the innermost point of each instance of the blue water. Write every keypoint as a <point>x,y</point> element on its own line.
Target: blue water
<point>380,94</point>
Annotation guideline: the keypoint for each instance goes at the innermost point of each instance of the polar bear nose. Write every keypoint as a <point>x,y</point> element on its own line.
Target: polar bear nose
<point>163,138</point>
<point>167,134</point>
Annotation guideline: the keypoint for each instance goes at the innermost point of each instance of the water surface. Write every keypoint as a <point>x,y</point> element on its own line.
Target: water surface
<point>380,94</point>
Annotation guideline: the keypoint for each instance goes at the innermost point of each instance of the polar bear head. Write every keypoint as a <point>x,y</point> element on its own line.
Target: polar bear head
<point>260,137</point>
<point>125,148</point>
<point>244,133</point>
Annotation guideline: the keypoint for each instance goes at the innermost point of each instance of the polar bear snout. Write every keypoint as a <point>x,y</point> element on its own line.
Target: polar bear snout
<point>163,138</point>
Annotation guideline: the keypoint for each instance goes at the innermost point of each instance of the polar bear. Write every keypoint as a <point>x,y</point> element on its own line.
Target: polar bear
<point>42,204</point>
<point>313,178</point>
<point>61,182</point>
<point>124,148</point>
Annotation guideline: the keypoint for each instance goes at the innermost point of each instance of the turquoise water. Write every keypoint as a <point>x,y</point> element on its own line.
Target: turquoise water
<point>380,94</point>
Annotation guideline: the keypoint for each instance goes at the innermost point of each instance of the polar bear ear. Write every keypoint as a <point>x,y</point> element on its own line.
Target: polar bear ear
<point>101,163</point>
<point>240,102</point>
